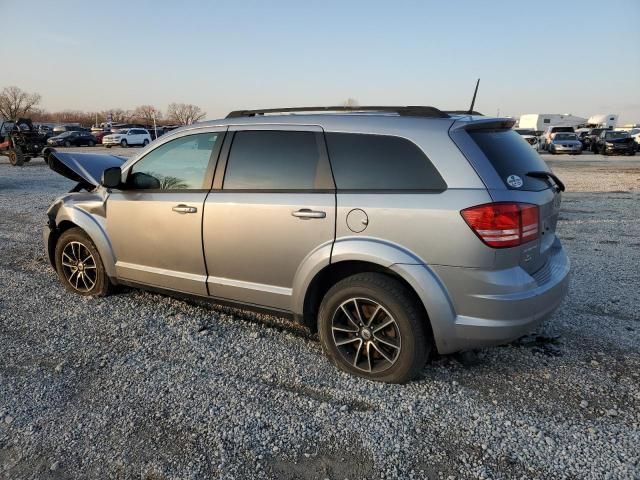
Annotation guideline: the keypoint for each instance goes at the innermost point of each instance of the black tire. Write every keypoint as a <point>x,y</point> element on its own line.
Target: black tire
<point>123,143</point>
<point>408,330</point>
<point>145,143</point>
<point>91,143</point>
<point>67,144</point>
<point>107,146</point>
<point>603,150</point>
<point>27,159</point>
<point>16,158</point>
<point>76,240</point>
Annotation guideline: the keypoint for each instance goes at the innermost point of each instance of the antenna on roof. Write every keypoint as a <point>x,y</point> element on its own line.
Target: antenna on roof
<point>473,101</point>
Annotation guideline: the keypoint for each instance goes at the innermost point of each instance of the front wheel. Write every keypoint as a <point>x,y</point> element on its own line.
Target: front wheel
<point>145,143</point>
<point>67,144</point>
<point>16,158</point>
<point>123,144</point>
<point>91,143</point>
<point>79,264</point>
<point>370,326</point>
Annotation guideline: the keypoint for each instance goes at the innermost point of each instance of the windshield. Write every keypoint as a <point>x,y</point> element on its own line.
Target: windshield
<point>7,127</point>
<point>565,136</point>
<point>615,135</point>
<point>525,131</point>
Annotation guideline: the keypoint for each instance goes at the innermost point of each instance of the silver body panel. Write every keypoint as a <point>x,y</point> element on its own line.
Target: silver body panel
<point>248,247</point>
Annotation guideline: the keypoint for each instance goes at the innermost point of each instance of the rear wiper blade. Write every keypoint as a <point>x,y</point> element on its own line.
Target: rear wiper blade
<point>547,175</point>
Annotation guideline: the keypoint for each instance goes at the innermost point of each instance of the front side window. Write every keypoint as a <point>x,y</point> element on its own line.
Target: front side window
<point>275,160</point>
<point>380,162</point>
<point>180,164</point>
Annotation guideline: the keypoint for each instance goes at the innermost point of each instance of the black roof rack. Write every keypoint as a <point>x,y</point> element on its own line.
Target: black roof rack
<point>407,111</point>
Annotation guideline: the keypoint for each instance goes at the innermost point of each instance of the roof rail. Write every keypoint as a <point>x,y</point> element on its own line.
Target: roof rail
<point>463,112</point>
<point>407,111</point>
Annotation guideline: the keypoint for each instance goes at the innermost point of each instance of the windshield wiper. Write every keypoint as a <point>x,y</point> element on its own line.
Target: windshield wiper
<point>546,176</point>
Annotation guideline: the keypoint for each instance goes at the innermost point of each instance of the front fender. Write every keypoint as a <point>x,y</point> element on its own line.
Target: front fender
<point>94,226</point>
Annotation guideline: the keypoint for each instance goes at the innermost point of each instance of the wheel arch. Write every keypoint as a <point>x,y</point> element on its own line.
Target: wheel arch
<point>68,218</point>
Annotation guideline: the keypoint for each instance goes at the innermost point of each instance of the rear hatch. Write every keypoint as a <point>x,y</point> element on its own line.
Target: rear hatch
<point>505,163</point>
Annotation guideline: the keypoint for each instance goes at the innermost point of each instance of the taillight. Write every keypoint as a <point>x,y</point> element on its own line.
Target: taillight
<point>502,225</point>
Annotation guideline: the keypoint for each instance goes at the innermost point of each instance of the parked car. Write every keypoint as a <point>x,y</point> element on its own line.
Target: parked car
<point>126,137</point>
<point>68,139</point>
<point>612,142</point>
<point>546,136</point>
<point>100,134</point>
<point>589,140</point>
<point>393,233</point>
<point>562,142</point>
<point>531,136</point>
<point>58,129</point>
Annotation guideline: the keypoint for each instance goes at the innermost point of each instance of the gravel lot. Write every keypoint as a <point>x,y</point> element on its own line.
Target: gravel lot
<point>139,385</point>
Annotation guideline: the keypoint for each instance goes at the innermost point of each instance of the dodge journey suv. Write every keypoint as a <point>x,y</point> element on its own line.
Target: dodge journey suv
<point>392,231</point>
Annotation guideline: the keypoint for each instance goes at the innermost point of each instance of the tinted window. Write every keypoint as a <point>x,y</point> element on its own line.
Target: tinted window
<point>511,155</point>
<point>380,162</point>
<point>274,160</point>
<point>178,164</point>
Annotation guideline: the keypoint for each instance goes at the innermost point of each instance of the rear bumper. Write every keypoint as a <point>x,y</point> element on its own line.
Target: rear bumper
<point>495,307</point>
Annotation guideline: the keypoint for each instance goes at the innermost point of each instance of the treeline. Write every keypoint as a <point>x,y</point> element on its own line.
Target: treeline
<point>16,103</point>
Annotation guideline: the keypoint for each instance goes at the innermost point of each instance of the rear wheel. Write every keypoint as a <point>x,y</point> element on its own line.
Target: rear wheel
<point>123,143</point>
<point>91,143</point>
<point>370,326</point>
<point>16,158</point>
<point>79,264</point>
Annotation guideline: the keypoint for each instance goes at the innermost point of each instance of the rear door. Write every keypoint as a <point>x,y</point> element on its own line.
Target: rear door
<point>503,159</point>
<point>272,205</point>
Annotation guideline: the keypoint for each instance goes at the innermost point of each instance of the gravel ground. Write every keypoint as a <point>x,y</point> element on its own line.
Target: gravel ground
<point>139,385</point>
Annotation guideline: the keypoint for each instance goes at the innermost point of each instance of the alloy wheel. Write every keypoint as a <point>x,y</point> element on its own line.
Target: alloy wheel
<point>79,266</point>
<point>366,335</point>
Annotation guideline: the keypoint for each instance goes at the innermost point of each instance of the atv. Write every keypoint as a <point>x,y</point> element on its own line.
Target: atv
<point>20,141</point>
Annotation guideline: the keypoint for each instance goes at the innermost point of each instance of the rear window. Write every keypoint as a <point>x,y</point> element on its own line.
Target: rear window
<point>380,162</point>
<point>510,155</point>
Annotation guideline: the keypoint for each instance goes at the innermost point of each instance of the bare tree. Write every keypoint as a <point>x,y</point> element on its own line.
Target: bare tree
<point>146,113</point>
<point>15,103</point>
<point>350,102</point>
<point>118,115</point>
<point>184,113</point>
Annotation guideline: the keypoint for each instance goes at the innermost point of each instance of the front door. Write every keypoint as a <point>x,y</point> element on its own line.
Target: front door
<point>155,223</point>
<point>274,207</point>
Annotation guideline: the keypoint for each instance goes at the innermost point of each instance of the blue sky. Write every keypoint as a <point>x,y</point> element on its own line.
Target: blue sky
<point>580,57</point>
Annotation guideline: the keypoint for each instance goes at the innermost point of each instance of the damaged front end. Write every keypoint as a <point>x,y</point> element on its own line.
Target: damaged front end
<point>83,209</point>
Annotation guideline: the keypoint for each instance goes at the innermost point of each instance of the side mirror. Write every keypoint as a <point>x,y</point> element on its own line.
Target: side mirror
<point>111,177</point>
<point>143,181</point>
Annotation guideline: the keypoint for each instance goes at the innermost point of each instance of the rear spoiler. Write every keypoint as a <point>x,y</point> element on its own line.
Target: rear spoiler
<point>483,124</point>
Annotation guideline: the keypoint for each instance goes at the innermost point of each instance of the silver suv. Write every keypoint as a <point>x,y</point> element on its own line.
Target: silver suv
<point>392,231</point>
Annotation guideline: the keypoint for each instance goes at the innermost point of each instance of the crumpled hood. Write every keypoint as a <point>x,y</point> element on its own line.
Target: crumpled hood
<point>84,168</point>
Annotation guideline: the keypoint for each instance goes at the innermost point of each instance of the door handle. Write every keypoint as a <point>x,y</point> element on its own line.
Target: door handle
<point>307,213</point>
<point>184,209</point>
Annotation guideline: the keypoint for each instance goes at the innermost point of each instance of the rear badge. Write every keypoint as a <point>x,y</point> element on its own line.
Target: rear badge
<point>514,181</point>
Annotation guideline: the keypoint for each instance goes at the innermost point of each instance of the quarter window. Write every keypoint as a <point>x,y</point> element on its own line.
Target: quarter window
<point>380,162</point>
<point>180,164</point>
<point>276,160</point>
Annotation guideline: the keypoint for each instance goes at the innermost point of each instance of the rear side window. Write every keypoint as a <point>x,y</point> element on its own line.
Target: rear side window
<point>511,155</point>
<point>380,162</point>
<point>276,160</point>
